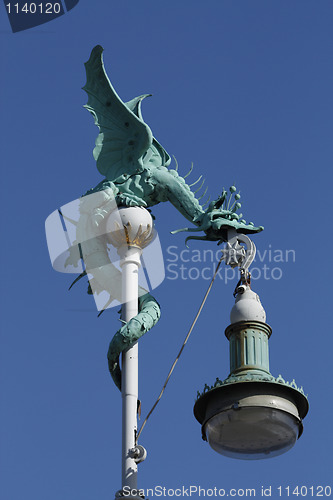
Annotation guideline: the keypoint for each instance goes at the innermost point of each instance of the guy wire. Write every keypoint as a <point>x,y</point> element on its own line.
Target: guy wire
<point>182,348</point>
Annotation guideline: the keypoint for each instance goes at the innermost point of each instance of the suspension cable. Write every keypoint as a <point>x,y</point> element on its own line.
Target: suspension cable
<point>182,348</point>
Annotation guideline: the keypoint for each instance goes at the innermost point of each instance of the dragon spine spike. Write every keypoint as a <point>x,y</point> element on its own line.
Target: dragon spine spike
<point>197,190</point>
<point>206,203</point>
<point>188,173</point>
<point>196,182</point>
<point>205,191</point>
<point>176,162</point>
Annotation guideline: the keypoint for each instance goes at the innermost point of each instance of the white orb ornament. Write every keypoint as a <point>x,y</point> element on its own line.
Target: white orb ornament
<point>131,226</point>
<point>247,307</point>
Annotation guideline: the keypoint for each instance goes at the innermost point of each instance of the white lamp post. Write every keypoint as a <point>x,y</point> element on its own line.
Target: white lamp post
<point>130,229</point>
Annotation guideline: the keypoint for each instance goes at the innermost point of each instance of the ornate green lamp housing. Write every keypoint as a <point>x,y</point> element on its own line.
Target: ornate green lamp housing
<point>250,415</point>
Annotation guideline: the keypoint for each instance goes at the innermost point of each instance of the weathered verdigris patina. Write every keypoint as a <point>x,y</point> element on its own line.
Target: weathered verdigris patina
<point>136,173</point>
<point>135,165</point>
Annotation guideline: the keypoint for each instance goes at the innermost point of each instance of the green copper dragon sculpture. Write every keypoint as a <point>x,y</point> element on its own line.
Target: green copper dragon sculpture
<point>135,167</point>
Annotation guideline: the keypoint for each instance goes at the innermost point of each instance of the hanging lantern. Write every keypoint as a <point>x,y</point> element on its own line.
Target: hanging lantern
<point>250,415</point>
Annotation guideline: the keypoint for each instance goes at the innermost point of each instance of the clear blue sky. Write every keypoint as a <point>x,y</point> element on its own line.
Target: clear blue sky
<point>244,90</point>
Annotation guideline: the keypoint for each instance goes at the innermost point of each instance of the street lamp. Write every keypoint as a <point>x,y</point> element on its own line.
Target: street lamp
<point>250,415</point>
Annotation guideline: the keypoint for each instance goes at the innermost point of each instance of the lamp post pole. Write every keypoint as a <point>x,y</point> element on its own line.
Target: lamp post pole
<point>130,229</point>
<point>129,379</point>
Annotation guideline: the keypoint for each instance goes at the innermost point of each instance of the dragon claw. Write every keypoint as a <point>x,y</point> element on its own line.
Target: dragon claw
<point>130,200</point>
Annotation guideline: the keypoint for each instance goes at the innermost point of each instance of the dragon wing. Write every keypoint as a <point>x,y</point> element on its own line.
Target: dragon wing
<point>125,143</point>
<point>156,154</point>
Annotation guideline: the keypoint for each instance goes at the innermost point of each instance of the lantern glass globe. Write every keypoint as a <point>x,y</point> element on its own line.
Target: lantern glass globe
<point>252,433</point>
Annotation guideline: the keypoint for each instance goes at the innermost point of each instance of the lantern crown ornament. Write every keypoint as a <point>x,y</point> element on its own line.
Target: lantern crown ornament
<point>130,226</point>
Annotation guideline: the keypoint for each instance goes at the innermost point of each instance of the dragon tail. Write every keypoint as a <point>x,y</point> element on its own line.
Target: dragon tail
<point>128,334</point>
